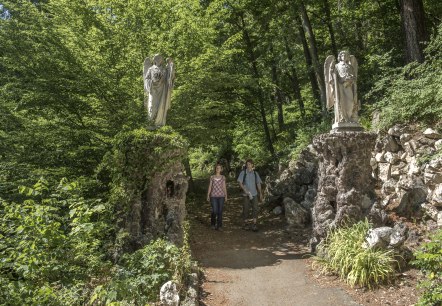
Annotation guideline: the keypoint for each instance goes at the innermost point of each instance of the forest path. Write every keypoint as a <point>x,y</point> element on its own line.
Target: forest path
<point>253,268</point>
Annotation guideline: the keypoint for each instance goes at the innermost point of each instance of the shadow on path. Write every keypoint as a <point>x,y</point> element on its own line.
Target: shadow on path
<point>253,268</point>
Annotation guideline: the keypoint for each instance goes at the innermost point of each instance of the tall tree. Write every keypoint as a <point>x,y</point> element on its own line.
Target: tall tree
<point>413,23</point>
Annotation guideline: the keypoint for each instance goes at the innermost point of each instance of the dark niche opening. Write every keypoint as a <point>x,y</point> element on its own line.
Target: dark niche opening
<point>170,189</point>
<point>333,205</point>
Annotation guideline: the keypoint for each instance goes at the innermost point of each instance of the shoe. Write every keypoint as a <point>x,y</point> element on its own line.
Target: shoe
<point>246,227</point>
<point>213,227</point>
<point>220,229</point>
<point>254,228</point>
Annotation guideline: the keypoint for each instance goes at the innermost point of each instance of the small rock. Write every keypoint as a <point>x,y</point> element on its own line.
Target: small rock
<point>430,211</point>
<point>169,294</point>
<point>432,134</point>
<point>438,144</point>
<point>379,157</point>
<point>277,210</point>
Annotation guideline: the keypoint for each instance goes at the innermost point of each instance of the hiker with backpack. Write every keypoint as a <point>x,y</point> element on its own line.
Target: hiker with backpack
<point>217,196</point>
<point>250,183</point>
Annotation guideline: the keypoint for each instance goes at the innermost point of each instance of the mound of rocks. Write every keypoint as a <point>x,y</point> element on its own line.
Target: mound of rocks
<point>408,167</point>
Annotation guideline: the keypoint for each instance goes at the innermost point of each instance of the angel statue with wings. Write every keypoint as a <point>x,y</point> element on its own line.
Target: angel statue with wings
<point>341,89</point>
<point>158,85</point>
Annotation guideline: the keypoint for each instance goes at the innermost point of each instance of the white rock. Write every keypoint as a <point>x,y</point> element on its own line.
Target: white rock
<point>432,134</point>
<point>430,210</point>
<point>438,144</point>
<point>384,172</point>
<point>413,167</point>
<point>378,237</point>
<point>439,219</point>
<point>436,196</point>
<point>391,158</point>
<point>379,157</point>
<point>404,138</point>
<point>169,294</point>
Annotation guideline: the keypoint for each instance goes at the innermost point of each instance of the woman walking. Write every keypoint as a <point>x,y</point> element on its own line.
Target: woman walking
<point>217,196</point>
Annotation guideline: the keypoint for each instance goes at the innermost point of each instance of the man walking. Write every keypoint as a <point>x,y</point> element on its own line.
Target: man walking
<point>250,183</point>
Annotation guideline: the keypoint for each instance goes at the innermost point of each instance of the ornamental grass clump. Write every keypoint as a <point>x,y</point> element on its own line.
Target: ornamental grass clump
<point>344,254</point>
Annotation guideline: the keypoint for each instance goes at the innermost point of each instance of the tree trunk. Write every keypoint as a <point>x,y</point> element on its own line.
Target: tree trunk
<point>330,27</point>
<point>413,22</point>
<point>293,76</point>
<point>314,54</point>
<point>277,95</point>
<point>188,170</point>
<point>252,59</point>
<point>309,64</point>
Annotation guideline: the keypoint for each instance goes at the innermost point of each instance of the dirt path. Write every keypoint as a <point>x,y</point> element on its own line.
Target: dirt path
<point>248,268</point>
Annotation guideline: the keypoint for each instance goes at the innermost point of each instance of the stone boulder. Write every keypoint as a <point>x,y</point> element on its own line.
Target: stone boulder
<point>386,237</point>
<point>296,215</point>
<point>169,294</point>
<point>345,186</point>
<point>296,182</point>
<point>148,186</point>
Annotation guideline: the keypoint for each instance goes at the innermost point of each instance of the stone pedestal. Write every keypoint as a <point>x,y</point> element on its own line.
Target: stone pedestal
<point>345,187</point>
<point>346,127</point>
<point>148,186</point>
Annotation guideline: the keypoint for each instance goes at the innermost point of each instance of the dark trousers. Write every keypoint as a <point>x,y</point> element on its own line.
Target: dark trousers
<point>250,204</point>
<point>216,218</point>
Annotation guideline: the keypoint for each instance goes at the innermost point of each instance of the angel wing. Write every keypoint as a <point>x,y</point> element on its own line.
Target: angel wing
<point>147,82</point>
<point>329,68</point>
<point>354,63</point>
<point>170,77</point>
<point>170,68</point>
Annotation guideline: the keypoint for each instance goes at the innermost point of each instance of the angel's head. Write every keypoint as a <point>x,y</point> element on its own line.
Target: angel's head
<point>343,56</point>
<point>157,60</point>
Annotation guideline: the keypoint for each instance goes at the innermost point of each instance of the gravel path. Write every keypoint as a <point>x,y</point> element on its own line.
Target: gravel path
<point>248,268</point>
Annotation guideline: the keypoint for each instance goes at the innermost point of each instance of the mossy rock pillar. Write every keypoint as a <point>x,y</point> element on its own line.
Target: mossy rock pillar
<point>148,186</point>
<point>345,185</point>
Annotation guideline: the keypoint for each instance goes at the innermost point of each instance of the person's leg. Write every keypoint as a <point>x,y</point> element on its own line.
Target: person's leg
<point>255,212</point>
<point>245,211</point>
<point>213,213</point>
<point>220,212</point>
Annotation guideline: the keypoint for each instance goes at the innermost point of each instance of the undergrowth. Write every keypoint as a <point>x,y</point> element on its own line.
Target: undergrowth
<point>343,253</point>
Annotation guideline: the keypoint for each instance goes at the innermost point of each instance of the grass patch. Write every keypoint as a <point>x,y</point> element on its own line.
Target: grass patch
<point>342,253</point>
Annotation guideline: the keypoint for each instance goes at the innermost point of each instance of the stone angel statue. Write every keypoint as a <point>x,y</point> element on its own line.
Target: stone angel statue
<point>158,84</point>
<point>341,89</point>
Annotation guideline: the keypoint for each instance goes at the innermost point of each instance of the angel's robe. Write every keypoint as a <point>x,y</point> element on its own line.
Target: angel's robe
<point>158,85</point>
<point>345,92</point>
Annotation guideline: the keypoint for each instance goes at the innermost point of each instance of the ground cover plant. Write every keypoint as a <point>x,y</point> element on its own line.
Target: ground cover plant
<point>429,260</point>
<point>344,254</point>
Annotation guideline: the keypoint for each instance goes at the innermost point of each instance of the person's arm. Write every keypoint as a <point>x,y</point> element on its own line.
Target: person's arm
<point>209,190</point>
<point>258,186</point>
<point>240,179</point>
<point>225,189</point>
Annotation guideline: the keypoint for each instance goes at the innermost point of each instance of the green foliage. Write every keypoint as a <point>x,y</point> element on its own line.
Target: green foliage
<point>429,260</point>
<point>342,252</point>
<point>50,245</point>
<point>202,161</point>
<point>412,93</point>
<point>138,278</point>
<point>135,157</point>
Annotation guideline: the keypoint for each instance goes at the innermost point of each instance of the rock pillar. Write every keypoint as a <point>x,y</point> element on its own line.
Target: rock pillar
<point>345,186</point>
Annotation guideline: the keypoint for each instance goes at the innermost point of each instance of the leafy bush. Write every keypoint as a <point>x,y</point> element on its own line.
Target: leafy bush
<point>50,245</point>
<point>342,252</point>
<point>140,275</point>
<point>413,93</point>
<point>429,260</point>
